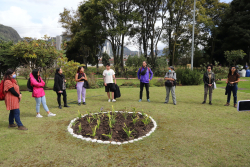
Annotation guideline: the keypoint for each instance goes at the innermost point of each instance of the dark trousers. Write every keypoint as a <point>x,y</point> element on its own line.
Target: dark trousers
<point>141,89</point>
<point>64,97</point>
<point>15,114</point>
<point>234,90</point>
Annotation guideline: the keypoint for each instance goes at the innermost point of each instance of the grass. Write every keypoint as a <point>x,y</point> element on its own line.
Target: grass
<point>188,134</point>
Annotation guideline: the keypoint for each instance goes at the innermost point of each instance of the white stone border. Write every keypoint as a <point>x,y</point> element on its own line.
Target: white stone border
<point>108,142</point>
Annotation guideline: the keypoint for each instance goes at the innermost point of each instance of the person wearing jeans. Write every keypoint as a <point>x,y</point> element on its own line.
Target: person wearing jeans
<point>143,76</point>
<point>108,79</point>
<point>80,78</point>
<point>232,81</point>
<point>60,87</point>
<point>208,79</point>
<point>171,76</point>
<point>12,99</point>
<point>38,93</point>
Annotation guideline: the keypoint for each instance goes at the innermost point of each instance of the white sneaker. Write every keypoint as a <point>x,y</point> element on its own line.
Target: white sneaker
<point>109,100</point>
<point>51,114</point>
<point>39,116</point>
<point>113,100</point>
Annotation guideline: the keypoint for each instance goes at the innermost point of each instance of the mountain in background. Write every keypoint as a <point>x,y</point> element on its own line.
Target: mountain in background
<point>9,34</point>
<point>127,51</point>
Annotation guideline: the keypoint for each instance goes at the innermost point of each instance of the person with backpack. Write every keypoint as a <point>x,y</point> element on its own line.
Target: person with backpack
<point>208,79</point>
<point>170,84</point>
<point>60,87</point>
<point>81,79</point>
<point>143,76</point>
<point>108,79</point>
<point>232,85</point>
<point>38,93</point>
<point>11,94</point>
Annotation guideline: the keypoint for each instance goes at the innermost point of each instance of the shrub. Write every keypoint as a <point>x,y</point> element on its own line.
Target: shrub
<point>160,82</point>
<point>24,71</point>
<point>188,77</point>
<point>100,83</point>
<point>92,81</point>
<point>128,83</point>
<point>219,71</point>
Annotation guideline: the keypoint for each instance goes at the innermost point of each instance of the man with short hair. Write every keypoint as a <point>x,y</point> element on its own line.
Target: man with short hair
<point>108,77</point>
<point>143,76</point>
<point>170,76</point>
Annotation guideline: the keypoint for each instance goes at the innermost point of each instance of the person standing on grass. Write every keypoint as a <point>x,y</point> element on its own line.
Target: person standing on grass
<point>80,78</point>
<point>171,78</point>
<point>143,76</point>
<point>108,77</point>
<point>60,87</point>
<point>38,93</point>
<point>12,99</point>
<point>232,85</point>
<point>208,79</point>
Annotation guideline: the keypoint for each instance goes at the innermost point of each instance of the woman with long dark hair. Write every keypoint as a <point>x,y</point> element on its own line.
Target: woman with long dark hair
<point>80,78</point>
<point>232,85</point>
<point>13,97</point>
<point>60,87</point>
<point>208,79</point>
<point>38,93</point>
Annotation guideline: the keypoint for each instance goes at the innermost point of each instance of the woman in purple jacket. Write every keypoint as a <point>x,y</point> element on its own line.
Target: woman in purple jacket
<point>143,76</point>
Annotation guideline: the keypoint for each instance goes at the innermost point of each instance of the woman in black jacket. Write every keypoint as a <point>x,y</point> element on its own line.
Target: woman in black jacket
<point>208,79</point>
<point>60,87</point>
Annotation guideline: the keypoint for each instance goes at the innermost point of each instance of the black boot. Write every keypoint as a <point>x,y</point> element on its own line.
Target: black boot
<point>66,105</point>
<point>210,103</point>
<point>203,102</point>
<point>60,107</point>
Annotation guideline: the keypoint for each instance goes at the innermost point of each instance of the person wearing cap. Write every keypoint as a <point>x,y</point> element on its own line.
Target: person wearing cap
<point>171,76</point>
<point>108,79</point>
<point>143,76</point>
<point>208,79</point>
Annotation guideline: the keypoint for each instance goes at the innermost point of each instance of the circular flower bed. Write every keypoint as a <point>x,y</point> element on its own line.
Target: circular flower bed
<point>112,127</point>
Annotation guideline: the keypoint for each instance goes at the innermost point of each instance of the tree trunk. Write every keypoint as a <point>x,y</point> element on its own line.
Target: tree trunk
<point>121,57</point>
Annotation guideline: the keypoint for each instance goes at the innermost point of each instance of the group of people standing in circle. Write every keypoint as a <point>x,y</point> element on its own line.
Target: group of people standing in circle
<point>13,95</point>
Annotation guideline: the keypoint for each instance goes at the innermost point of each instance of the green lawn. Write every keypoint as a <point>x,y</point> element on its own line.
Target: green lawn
<point>188,134</point>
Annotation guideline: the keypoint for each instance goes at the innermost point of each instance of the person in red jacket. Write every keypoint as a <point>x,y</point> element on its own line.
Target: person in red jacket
<point>38,93</point>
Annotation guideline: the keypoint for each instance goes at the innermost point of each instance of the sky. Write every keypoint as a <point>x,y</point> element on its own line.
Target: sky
<point>35,18</point>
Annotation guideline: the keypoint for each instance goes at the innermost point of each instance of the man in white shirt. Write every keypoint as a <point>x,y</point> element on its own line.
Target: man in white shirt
<point>108,77</point>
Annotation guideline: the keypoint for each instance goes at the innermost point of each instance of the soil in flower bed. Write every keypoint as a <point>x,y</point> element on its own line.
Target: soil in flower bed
<point>118,134</point>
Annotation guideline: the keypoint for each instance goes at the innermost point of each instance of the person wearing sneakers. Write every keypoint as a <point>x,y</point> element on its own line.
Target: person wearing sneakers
<point>60,87</point>
<point>38,93</point>
<point>232,85</point>
<point>108,77</point>
<point>81,79</point>
<point>143,76</point>
<point>170,84</point>
<point>12,99</point>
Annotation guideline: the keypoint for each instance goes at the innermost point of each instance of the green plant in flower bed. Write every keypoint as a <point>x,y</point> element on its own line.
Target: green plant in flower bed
<point>128,131</point>
<point>80,128</point>
<point>108,135</point>
<point>134,112</point>
<point>94,116</point>
<point>125,115</point>
<point>79,115</point>
<point>98,123</point>
<point>88,119</point>
<point>134,120</point>
<point>142,113</point>
<point>74,123</point>
<point>146,120</point>
<point>93,131</point>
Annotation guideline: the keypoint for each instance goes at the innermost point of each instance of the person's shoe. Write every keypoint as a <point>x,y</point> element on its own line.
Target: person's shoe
<point>113,100</point>
<point>203,102</point>
<point>165,102</point>
<point>60,107</point>
<point>39,116</point>
<point>51,114</point>
<point>174,103</point>
<point>227,104</point>
<point>140,100</point>
<point>210,103</point>
<point>235,105</point>
<point>84,103</point>
<point>109,100</point>
<point>22,128</point>
<point>79,104</point>
<point>66,105</point>
<point>148,100</point>
<point>12,125</point>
